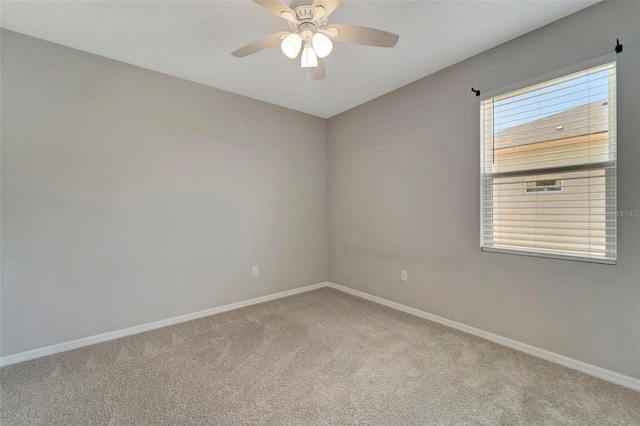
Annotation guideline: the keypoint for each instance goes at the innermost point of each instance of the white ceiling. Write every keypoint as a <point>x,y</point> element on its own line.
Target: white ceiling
<point>193,40</point>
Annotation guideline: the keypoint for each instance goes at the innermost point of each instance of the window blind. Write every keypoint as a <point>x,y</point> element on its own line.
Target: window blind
<point>548,164</point>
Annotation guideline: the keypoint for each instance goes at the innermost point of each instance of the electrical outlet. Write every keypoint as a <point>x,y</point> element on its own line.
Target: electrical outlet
<point>404,276</point>
<point>255,271</point>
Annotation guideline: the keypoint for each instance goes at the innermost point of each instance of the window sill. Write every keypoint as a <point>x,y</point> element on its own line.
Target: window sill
<point>550,256</point>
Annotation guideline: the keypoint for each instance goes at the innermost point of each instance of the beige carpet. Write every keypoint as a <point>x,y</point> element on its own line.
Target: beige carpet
<point>322,357</point>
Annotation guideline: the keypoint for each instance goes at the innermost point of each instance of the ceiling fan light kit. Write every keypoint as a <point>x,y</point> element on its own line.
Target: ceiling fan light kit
<point>309,58</point>
<point>308,23</point>
<point>322,45</point>
<point>291,45</point>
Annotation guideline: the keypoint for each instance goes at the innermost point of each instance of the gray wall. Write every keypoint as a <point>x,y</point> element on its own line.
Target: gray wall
<point>129,196</point>
<point>404,194</point>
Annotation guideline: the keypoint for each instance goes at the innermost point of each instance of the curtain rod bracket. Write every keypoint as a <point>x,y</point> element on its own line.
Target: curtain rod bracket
<point>477,92</point>
<point>618,46</point>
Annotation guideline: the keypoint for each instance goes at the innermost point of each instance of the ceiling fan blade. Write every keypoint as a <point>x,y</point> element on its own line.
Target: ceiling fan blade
<point>276,7</point>
<point>364,35</point>
<point>259,45</point>
<point>318,72</point>
<point>328,5</point>
<point>331,32</point>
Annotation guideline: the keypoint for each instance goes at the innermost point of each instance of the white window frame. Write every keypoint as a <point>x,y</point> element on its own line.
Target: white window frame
<point>611,165</point>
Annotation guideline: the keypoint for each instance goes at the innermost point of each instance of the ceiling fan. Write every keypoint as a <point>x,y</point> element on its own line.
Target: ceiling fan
<point>311,35</point>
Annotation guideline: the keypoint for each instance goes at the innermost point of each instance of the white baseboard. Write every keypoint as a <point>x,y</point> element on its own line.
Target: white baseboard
<point>98,338</point>
<point>592,370</point>
<point>601,373</point>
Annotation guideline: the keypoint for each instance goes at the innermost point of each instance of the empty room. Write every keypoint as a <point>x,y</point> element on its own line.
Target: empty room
<point>320,212</point>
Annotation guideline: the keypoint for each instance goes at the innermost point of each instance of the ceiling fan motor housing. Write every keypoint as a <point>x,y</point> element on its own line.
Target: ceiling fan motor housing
<point>306,30</point>
<point>304,14</point>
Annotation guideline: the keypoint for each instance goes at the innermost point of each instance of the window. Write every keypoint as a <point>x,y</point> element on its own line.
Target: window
<point>548,163</point>
<point>551,185</point>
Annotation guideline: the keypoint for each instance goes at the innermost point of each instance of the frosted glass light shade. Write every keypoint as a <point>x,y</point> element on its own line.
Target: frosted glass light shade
<point>291,45</point>
<point>322,45</point>
<point>309,58</point>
